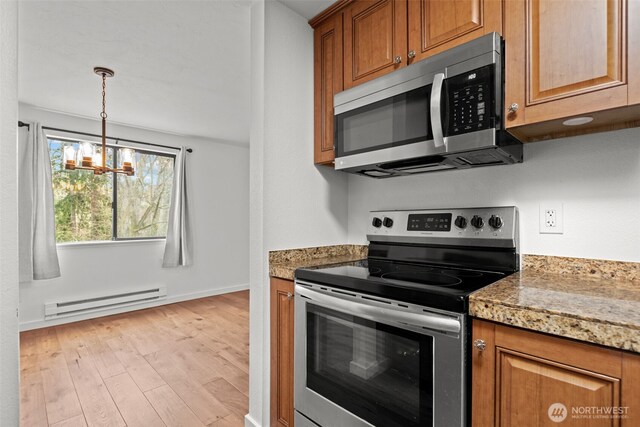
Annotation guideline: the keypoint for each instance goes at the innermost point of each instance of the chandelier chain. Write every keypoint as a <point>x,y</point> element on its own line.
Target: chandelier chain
<point>104,95</point>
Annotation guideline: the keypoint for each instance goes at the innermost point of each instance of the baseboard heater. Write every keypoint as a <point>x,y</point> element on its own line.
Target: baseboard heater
<point>58,309</point>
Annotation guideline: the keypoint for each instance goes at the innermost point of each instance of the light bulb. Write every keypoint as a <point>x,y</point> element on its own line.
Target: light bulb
<point>86,152</point>
<point>127,156</point>
<point>97,157</point>
<point>69,156</point>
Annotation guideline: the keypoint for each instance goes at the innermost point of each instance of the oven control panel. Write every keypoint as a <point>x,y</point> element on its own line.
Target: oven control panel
<point>487,226</point>
<point>429,222</point>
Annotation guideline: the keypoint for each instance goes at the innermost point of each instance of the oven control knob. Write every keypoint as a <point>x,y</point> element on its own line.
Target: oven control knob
<point>495,221</point>
<point>387,222</point>
<point>461,222</point>
<point>377,222</point>
<point>477,221</point>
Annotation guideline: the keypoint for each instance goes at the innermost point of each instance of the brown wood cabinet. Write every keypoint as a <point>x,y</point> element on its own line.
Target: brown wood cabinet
<point>566,58</point>
<point>437,25</point>
<point>281,296</point>
<point>375,39</point>
<point>520,374</point>
<point>327,81</point>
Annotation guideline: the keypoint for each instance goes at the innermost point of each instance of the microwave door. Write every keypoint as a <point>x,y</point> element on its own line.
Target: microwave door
<point>394,121</point>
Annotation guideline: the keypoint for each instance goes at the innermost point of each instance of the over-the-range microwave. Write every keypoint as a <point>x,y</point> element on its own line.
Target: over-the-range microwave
<point>445,112</point>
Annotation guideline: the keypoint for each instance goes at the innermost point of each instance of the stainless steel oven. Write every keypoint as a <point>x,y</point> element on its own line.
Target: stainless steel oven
<point>385,341</point>
<point>363,361</point>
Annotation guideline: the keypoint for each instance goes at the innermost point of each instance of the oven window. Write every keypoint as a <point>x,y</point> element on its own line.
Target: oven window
<point>397,120</point>
<point>377,372</point>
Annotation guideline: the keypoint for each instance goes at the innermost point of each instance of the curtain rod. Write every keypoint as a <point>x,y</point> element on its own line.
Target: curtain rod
<point>22,124</point>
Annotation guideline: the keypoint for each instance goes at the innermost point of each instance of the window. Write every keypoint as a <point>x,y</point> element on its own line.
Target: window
<point>92,207</point>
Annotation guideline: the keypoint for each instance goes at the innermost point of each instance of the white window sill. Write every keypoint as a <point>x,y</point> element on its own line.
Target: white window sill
<point>106,243</point>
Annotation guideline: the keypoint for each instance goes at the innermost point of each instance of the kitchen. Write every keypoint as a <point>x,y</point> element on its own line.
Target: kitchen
<point>572,174</point>
<point>593,178</point>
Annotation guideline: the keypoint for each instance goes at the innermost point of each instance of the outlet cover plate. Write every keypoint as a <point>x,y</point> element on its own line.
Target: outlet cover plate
<point>556,216</point>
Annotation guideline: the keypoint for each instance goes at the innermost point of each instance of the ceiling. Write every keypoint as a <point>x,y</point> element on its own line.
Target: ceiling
<point>180,66</point>
<point>308,8</point>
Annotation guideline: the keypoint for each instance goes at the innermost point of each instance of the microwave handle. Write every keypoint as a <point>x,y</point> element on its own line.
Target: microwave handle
<point>436,116</point>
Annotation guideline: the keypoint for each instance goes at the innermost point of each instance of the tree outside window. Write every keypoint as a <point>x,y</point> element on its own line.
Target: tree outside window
<point>92,207</point>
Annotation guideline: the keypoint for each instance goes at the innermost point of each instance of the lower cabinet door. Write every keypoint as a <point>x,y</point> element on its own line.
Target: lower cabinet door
<point>529,379</point>
<point>536,391</point>
<point>281,352</point>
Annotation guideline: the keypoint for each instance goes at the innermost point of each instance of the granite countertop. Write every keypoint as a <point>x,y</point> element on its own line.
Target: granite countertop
<point>283,264</point>
<point>588,300</point>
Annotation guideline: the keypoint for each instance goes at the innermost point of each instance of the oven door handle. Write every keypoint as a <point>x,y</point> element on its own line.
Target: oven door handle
<point>381,314</point>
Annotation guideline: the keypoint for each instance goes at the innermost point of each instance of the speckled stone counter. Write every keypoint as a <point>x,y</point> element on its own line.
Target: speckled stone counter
<point>282,264</point>
<point>590,300</point>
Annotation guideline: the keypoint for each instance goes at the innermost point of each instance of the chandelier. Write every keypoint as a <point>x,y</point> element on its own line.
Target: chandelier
<point>94,158</point>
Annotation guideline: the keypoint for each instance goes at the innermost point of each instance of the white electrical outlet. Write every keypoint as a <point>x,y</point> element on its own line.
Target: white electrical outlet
<point>551,218</point>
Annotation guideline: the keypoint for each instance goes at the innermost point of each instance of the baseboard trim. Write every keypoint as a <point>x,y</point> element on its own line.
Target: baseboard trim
<point>41,323</point>
<point>250,422</point>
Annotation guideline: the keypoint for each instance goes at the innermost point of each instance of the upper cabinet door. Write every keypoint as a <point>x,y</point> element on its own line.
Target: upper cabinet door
<point>327,51</point>
<point>564,58</point>
<point>633,51</point>
<point>437,25</point>
<point>375,39</point>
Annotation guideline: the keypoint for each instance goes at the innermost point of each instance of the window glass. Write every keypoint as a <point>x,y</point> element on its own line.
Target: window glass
<point>144,199</point>
<point>84,202</point>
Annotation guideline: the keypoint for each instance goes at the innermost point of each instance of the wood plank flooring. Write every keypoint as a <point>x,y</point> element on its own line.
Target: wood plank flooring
<point>184,364</point>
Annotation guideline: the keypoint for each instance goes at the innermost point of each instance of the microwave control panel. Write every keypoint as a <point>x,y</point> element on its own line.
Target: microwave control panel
<point>470,101</point>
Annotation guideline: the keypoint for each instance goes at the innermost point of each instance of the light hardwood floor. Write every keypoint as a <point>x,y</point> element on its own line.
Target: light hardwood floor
<point>184,364</point>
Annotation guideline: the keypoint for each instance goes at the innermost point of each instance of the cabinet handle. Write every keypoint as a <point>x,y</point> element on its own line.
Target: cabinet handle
<point>480,344</point>
<point>289,295</point>
<point>411,54</point>
<point>513,107</point>
<point>397,59</point>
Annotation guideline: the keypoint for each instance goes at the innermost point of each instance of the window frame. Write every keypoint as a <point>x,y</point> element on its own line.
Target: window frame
<point>114,187</point>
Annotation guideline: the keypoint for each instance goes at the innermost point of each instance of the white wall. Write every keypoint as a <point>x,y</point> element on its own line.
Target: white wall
<point>294,204</point>
<point>259,295</point>
<point>596,177</point>
<point>304,205</point>
<point>219,197</point>
<point>9,346</point>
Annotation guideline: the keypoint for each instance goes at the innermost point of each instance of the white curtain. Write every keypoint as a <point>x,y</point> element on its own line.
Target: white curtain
<point>37,233</point>
<point>177,251</point>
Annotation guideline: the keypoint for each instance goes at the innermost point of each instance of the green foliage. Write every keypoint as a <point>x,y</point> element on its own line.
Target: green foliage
<point>83,201</point>
<point>144,199</point>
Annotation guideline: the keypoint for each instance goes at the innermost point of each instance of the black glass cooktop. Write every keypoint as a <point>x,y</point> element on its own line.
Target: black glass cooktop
<point>430,285</point>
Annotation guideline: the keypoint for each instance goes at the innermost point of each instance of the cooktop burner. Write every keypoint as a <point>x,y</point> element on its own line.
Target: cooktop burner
<point>435,258</point>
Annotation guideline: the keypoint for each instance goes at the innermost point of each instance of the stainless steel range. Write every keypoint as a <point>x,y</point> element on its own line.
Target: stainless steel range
<point>385,341</point>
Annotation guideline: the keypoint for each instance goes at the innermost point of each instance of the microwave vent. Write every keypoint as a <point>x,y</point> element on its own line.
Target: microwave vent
<point>479,158</point>
<point>376,173</point>
<point>418,162</point>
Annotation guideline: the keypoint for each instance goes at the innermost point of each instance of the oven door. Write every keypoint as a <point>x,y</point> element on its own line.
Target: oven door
<point>365,361</point>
